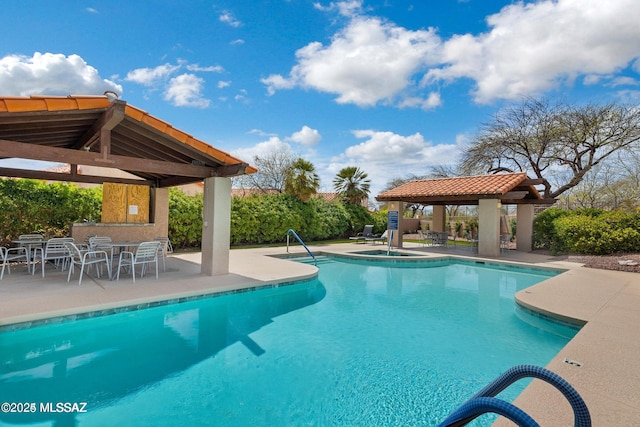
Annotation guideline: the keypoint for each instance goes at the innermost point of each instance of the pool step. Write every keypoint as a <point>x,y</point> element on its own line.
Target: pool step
<point>321,259</point>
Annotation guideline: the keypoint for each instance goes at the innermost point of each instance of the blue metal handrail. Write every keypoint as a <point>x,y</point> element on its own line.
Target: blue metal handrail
<point>289,232</point>
<point>484,401</point>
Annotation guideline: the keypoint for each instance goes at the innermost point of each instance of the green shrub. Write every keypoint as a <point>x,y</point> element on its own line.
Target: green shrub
<point>544,231</point>
<point>28,206</point>
<point>185,219</point>
<point>587,231</point>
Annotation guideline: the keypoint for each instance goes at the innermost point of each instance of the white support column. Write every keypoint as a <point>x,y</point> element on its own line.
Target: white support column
<point>216,226</point>
<point>489,227</point>
<point>524,228</point>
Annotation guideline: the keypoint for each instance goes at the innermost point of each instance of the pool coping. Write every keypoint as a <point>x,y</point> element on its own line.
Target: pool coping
<point>607,302</point>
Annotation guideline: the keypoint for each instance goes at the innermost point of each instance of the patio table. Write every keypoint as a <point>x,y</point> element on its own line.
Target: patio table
<point>31,246</point>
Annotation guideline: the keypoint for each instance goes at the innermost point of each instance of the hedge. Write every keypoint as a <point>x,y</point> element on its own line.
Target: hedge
<point>587,231</point>
<point>28,206</point>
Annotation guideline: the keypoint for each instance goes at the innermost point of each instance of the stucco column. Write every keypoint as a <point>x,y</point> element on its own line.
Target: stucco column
<point>524,228</point>
<point>489,227</point>
<point>161,211</point>
<point>216,226</point>
<point>398,206</point>
<point>439,218</point>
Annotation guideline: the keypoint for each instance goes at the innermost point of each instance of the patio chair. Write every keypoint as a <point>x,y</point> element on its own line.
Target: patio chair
<point>31,242</point>
<point>33,236</point>
<point>86,259</point>
<point>54,250</point>
<point>102,243</point>
<point>505,239</point>
<point>165,249</point>
<point>9,255</point>
<point>145,254</point>
<point>367,232</point>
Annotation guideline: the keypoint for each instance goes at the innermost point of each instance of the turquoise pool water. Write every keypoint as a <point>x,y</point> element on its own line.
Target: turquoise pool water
<point>363,345</point>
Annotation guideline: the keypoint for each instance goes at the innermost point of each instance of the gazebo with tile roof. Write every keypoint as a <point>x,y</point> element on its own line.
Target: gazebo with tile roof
<point>107,132</point>
<point>489,192</point>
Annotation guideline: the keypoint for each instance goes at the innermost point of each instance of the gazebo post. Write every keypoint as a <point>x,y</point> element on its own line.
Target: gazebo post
<point>398,206</point>
<point>524,227</point>
<point>489,227</point>
<point>439,218</point>
<point>216,226</point>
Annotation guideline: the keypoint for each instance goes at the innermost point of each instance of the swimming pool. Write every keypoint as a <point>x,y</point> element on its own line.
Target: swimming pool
<point>367,343</point>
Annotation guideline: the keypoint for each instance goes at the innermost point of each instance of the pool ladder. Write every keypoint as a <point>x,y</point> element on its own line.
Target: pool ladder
<point>484,401</point>
<point>289,233</point>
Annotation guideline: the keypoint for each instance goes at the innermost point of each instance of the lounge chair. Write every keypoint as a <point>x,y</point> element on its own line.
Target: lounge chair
<point>380,239</point>
<point>367,233</point>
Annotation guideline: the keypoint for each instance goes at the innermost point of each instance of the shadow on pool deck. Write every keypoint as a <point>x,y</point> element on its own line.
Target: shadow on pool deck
<point>608,302</point>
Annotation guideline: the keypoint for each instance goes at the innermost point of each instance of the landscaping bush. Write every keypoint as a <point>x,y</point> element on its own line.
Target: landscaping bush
<point>544,230</point>
<point>267,218</point>
<point>28,206</point>
<point>185,219</point>
<point>587,231</point>
<point>32,206</point>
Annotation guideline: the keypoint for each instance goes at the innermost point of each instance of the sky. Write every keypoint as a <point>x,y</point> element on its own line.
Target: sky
<point>393,87</point>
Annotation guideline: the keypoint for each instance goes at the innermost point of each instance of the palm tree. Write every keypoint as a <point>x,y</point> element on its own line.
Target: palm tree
<point>301,179</point>
<point>352,184</point>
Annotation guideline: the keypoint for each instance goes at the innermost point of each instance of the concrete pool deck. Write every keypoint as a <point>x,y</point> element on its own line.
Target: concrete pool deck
<point>604,368</point>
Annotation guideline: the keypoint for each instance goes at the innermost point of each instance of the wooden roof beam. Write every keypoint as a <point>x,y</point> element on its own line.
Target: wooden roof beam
<point>107,121</point>
<point>13,149</point>
<point>68,177</point>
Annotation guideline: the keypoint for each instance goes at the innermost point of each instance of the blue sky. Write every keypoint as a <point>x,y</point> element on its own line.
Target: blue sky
<point>391,86</point>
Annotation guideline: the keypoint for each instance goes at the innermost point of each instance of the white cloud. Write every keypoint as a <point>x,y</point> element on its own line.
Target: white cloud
<point>535,47</point>
<point>185,90</point>
<point>369,61</point>
<point>228,18</point>
<point>386,146</point>
<point>151,76</point>
<point>276,81</point>
<point>306,136</point>
<point>91,10</point>
<point>209,69</point>
<point>272,145</point>
<point>530,48</point>
<point>387,155</point>
<point>623,81</point>
<point>432,101</point>
<point>345,8</point>
<point>222,84</point>
<point>51,74</point>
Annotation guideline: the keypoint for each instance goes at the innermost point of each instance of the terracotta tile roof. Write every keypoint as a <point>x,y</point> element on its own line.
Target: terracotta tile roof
<point>463,188</point>
<point>88,103</point>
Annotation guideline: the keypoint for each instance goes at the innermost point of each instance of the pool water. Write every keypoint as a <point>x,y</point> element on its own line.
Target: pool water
<point>363,345</point>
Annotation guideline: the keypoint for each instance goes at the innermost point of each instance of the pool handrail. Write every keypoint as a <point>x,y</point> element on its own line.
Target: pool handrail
<point>478,404</point>
<point>289,232</point>
<point>389,242</point>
